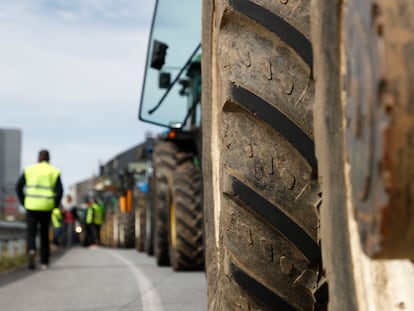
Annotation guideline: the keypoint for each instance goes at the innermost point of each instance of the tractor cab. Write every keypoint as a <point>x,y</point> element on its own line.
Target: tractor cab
<point>172,82</point>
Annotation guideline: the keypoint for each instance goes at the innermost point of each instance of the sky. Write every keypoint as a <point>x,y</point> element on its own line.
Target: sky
<point>70,78</point>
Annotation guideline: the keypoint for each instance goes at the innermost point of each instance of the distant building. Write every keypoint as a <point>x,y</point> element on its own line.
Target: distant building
<point>10,162</point>
<point>109,178</point>
<point>81,190</point>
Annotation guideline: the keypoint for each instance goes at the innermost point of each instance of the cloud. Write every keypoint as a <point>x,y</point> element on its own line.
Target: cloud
<point>122,12</point>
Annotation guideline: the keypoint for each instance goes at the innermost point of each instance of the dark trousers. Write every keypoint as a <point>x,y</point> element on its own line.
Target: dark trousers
<point>95,232</point>
<point>34,220</point>
<point>57,236</point>
<point>68,234</point>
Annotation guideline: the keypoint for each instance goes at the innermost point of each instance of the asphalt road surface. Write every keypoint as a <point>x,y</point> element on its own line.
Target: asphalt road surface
<point>103,279</point>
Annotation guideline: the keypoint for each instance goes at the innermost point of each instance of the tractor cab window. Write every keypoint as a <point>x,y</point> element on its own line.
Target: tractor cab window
<point>172,83</point>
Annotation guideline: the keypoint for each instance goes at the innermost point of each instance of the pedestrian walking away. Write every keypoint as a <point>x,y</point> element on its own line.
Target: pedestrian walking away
<point>57,220</point>
<point>94,219</point>
<point>39,190</point>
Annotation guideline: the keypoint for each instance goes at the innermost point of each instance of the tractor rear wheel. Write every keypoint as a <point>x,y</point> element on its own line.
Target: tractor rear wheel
<point>164,166</point>
<point>365,149</point>
<point>115,241</point>
<point>149,227</point>
<point>140,221</point>
<point>261,192</point>
<point>126,229</point>
<point>106,229</point>
<point>186,217</point>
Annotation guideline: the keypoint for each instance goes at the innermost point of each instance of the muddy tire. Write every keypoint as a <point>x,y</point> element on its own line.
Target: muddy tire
<point>164,166</point>
<point>186,217</point>
<point>260,173</point>
<point>365,77</point>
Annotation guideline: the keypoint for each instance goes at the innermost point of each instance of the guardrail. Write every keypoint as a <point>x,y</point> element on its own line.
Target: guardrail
<point>12,235</point>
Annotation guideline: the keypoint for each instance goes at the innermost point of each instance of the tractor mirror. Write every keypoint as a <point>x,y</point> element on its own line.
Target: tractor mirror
<point>164,80</point>
<point>159,50</point>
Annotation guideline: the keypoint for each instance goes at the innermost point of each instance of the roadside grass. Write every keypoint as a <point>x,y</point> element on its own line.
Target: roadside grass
<point>7,263</point>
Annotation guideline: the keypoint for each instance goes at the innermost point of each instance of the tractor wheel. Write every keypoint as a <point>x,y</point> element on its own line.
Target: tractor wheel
<point>186,217</point>
<point>149,227</point>
<point>140,221</point>
<point>261,194</point>
<point>363,100</point>
<point>126,229</point>
<point>115,242</point>
<point>164,166</point>
<point>107,227</point>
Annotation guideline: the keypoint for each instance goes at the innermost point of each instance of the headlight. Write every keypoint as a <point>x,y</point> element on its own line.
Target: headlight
<point>78,229</point>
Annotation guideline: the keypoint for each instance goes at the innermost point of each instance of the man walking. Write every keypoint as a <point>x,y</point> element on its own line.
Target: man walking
<point>94,219</point>
<point>57,220</point>
<point>39,190</point>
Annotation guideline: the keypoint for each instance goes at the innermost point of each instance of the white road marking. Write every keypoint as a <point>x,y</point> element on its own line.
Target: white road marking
<point>151,301</point>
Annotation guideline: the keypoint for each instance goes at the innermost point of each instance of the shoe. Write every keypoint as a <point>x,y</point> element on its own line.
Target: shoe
<point>43,267</point>
<point>31,263</point>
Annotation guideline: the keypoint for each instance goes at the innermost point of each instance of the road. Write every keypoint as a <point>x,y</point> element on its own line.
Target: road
<point>103,279</point>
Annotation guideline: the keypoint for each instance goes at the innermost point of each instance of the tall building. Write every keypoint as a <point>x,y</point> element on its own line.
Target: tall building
<point>10,162</point>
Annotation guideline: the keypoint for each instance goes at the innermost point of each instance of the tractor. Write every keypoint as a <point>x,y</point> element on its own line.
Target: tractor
<point>170,98</point>
<point>307,123</point>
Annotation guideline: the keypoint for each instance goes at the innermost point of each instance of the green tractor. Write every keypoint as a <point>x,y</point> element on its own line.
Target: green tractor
<point>171,98</point>
<point>307,146</point>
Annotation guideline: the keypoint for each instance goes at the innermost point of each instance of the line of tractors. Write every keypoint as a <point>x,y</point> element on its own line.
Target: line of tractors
<point>286,167</point>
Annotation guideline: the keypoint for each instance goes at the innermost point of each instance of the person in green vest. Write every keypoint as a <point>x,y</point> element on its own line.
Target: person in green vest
<point>57,220</point>
<point>94,220</point>
<point>39,190</point>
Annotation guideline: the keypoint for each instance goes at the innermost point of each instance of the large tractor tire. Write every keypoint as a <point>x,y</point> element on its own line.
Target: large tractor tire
<point>149,226</point>
<point>363,104</point>
<point>115,229</point>
<point>164,166</point>
<point>261,191</point>
<point>126,229</point>
<point>186,216</point>
<point>140,208</point>
<point>107,230</point>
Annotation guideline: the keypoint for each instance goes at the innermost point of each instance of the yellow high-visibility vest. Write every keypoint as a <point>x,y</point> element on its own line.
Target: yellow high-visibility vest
<point>41,180</point>
<point>94,214</point>
<point>56,218</point>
